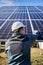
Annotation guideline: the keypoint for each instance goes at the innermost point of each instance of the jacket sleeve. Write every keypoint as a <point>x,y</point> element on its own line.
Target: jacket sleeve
<point>34,37</point>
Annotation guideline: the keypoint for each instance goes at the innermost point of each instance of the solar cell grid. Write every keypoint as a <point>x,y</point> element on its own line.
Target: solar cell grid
<point>34,25</point>
<point>40,7</point>
<point>1,32</point>
<point>21,10</point>
<point>13,16</point>
<point>33,9</point>
<point>35,16</point>
<point>37,25</point>
<point>1,22</point>
<point>41,21</point>
<point>4,15</point>
<point>19,16</point>
<point>22,7</point>
<point>40,15</point>
<point>6,29</point>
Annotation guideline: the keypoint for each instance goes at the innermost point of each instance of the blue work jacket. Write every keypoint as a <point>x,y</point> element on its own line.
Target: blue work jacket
<point>18,48</point>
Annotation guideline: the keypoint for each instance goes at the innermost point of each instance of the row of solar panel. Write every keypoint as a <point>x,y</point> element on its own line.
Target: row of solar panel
<point>3,9</point>
<point>36,15</point>
<point>6,30</point>
<point>25,16</point>
<point>20,10</point>
<point>20,7</point>
<point>4,14</point>
<point>37,20</point>
<point>22,16</point>
<point>19,16</point>
<point>40,7</point>
<point>39,23</point>
<point>1,22</point>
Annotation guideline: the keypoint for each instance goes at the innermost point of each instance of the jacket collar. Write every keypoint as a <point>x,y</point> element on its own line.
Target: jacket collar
<point>18,35</point>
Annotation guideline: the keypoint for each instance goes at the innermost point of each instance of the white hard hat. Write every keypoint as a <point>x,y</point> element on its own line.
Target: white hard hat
<point>17,25</point>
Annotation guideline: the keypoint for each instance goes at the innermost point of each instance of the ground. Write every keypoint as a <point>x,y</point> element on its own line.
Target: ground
<point>36,57</point>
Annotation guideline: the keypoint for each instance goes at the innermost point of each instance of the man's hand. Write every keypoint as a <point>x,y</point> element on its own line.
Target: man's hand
<point>35,31</point>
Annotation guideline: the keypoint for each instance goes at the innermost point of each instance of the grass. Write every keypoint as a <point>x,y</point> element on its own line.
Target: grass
<point>3,59</point>
<point>36,58</point>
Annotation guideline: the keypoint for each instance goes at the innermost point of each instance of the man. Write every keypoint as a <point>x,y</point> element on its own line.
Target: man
<point>18,46</point>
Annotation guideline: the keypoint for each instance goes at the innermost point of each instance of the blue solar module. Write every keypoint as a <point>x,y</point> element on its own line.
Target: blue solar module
<point>6,11</point>
<point>4,15</point>
<point>33,9</point>
<point>1,22</point>
<point>38,25</point>
<point>26,15</point>
<point>19,16</point>
<point>21,10</point>
<point>40,7</point>
<point>36,15</point>
<point>41,22</point>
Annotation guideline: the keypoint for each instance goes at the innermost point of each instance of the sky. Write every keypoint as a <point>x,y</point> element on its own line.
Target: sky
<point>21,2</point>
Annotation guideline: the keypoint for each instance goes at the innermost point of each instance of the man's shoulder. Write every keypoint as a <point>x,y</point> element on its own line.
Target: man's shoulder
<point>7,42</point>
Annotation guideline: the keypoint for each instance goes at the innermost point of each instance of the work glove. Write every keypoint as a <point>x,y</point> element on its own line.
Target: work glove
<point>35,32</point>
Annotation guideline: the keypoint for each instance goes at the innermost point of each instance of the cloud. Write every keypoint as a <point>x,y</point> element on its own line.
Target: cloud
<point>6,3</point>
<point>20,2</point>
<point>10,2</point>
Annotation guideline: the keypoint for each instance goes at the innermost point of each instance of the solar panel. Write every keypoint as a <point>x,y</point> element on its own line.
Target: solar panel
<point>33,9</point>
<point>21,10</point>
<point>4,15</point>
<point>38,25</point>
<point>27,15</point>
<point>36,15</point>
<point>1,22</point>
<point>19,16</point>
<point>40,7</point>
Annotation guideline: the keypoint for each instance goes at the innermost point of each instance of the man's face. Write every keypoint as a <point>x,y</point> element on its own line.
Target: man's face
<point>22,30</point>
